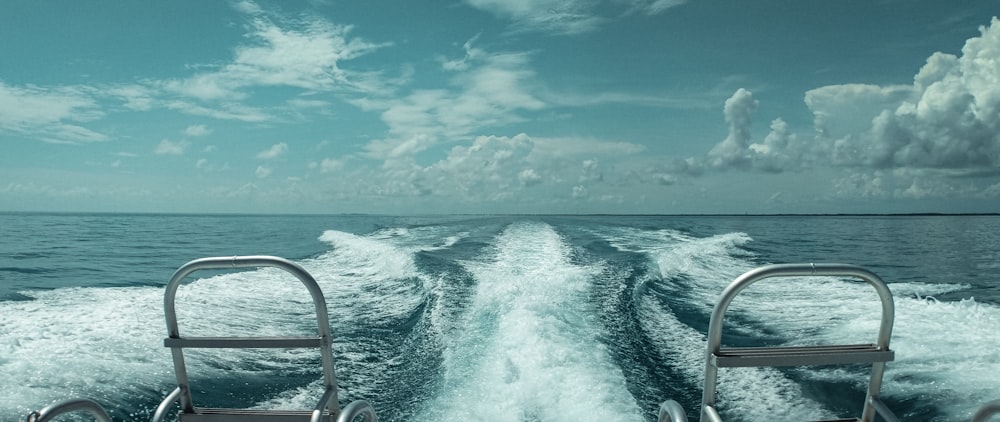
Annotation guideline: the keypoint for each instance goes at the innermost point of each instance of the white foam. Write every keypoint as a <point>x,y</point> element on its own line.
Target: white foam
<point>946,352</point>
<point>81,342</point>
<point>530,349</point>
<point>946,355</point>
<point>751,393</point>
<point>107,343</point>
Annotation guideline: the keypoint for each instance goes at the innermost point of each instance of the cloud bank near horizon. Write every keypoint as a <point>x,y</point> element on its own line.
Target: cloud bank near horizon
<point>462,139</point>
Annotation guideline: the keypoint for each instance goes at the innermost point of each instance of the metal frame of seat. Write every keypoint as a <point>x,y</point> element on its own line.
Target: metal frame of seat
<point>69,406</point>
<point>877,354</point>
<point>327,409</point>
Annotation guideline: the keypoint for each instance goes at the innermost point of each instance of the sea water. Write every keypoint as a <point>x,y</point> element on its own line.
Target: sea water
<point>497,318</point>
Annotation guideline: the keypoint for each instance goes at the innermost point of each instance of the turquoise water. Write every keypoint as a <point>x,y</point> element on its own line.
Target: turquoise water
<point>520,318</point>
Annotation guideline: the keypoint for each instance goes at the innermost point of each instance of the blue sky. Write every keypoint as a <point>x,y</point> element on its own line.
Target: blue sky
<point>490,106</point>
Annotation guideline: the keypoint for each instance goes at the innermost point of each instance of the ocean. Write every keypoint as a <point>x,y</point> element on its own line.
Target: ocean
<point>498,318</point>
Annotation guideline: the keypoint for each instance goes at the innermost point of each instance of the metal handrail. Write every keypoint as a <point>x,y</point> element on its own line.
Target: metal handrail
<point>986,411</point>
<point>68,406</point>
<point>671,411</point>
<point>792,270</point>
<point>177,343</point>
<point>882,409</point>
<point>161,410</point>
<point>355,409</point>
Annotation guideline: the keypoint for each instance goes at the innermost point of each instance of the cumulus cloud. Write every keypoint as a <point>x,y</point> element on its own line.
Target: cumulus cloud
<point>168,147</point>
<point>591,172</point>
<point>491,161</point>
<point>500,168</point>
<point>840,110</point>
<point>780,150</point>
<point>328,165</point>
<point>935,138</point>
<point>948,119</point>
<point>50,114</point>
<point>197,130</point>
<point>262,172</point>
<point>529,177</point>
<point>492,92</point>
<point>275,151</point>
<point>733,151</point>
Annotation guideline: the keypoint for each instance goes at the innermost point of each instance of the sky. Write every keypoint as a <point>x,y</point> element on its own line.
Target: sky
<point>500,106</point>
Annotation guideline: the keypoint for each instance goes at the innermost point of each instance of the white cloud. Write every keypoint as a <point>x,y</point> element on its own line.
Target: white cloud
<point>575,146</point>
<point>197,130</point>
<point>591,173</point>
<point>529,177</point>
<point>262,172</point>
<point>306,57</point>
<point>839,110</point>
<point>490,164</point>
<point>499,169</point>
<point>136,97</point>
<point>168,147</point>
<point>492,93</point>
<point>568,17</point>
<point>46,113</point>
<point>305,53</point>
<point>732,152</point>
<point>222,111</point>
<point>471,54</point>
<point>936,138</point>
<point>275,151</point>
<point>330,165</point>
<point>565,17</point>
<point>780,150</point>
<point>948,119</point>
<point>653,7</point>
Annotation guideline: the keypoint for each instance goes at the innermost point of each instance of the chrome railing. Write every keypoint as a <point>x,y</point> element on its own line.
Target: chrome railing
<point>327,407</point>
<point>70,406</point>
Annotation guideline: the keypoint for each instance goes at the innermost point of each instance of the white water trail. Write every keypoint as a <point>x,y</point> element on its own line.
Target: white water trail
<point>530,349</point>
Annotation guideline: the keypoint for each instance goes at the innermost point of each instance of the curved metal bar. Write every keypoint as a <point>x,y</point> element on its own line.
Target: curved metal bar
<point>883,410</point>
<point>67,406</point>
<point>792,270</point>
<point>251,261</point>
<point>161,410</point>
<point>709,413</point>
<point>322,405</point>
<point>671,411</point>
<point>986,411</point>
<point>355,409</point>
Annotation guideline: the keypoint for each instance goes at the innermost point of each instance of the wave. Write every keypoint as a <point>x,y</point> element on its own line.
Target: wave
<point>505,320</point>
<point>530,349</point>
<point>945,351</point>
